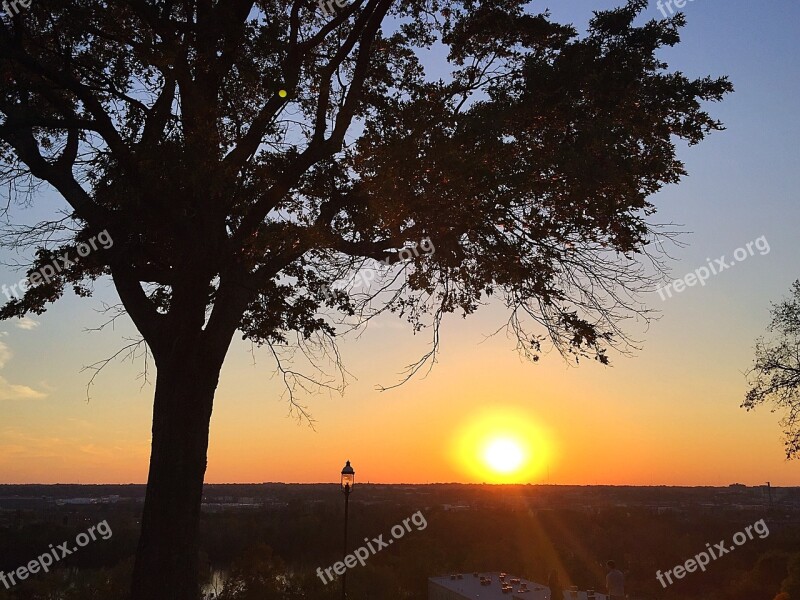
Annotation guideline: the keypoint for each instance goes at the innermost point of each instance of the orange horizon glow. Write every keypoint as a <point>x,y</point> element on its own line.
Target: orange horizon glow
<point>538,424</point>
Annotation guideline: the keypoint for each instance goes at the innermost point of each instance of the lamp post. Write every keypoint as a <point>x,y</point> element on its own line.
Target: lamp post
<point>348,479</point>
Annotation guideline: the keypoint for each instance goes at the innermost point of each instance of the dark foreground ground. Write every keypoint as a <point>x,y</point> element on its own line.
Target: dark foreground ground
<point>268,541</point>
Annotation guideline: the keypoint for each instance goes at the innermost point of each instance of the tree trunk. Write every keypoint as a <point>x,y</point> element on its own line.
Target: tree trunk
<point>166,565</point>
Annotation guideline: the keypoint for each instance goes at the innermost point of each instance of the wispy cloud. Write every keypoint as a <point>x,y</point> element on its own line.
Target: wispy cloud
<point>27,323</point>
<point>59,449</point>
<point>10,391</point>
<point>5,354</point>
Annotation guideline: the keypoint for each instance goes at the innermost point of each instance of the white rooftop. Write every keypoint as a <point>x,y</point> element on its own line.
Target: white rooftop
<point>470,587</point>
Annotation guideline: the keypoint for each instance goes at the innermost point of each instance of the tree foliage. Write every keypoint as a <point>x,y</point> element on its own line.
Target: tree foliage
<point>530,167</point>
<point>775,375</point>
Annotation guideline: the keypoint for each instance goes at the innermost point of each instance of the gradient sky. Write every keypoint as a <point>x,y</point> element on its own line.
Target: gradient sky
<point>667,415</point>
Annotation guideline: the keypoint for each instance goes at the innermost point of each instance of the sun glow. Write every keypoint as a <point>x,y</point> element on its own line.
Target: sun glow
<point>503,446</point>
<point>504,455</point>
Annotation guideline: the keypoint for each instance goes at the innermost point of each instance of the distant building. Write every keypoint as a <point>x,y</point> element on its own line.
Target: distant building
<point>664,510</point>
<point>455,507</point>
<point>495,586</point>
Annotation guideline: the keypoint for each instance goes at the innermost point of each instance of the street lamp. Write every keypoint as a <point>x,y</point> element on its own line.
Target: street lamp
<point>348,480</point>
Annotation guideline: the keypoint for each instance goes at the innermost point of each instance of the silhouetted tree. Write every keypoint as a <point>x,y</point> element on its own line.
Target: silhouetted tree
<point>775,376</point>
<point>259,574</point>
<point>791,585</point>
<point>210,140</point>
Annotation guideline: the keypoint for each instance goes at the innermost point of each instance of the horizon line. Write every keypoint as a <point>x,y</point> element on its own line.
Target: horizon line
<point>472,483</point>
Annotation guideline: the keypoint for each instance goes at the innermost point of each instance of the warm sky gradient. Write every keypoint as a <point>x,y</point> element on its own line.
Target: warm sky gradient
<point>669,415</point>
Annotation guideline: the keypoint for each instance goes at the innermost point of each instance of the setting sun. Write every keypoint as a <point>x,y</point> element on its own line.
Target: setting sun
<point>504,455</point>
<point>503,445</point>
